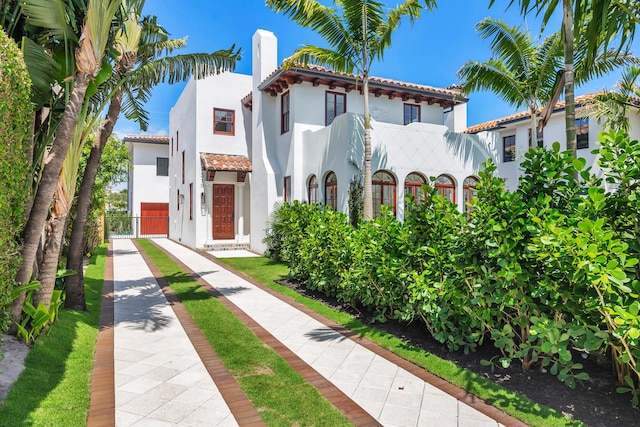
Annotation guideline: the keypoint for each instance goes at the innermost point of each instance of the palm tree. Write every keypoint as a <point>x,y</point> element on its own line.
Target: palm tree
<point>520,72</point>
<point>141,64</point>
<point>597,22</point>
<point>88,55</point>
<point>358,34</point>
<point>613,107</point>
<point>525,74</point>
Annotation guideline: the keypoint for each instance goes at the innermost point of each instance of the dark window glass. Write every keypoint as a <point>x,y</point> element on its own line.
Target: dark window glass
<point>331,191</point>
<point>313,189</point>
<point>223,121</point>
<point>509,148</point>
<point>336,104</point>
<point>411,113</point>
<point>384,191</point>
<point>582,132</point>
<point>284,118</point>
<point>446,188</point>
<point>162,166</point>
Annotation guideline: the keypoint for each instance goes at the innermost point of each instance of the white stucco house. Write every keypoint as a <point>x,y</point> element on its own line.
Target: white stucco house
<point>148,183</point>
<point>241,144</point>
<point>513,137</point>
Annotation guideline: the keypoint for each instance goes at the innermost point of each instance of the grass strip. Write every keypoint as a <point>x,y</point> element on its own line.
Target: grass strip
<point>280,394</point>
<point>54,388</point>
<point>267,272</point>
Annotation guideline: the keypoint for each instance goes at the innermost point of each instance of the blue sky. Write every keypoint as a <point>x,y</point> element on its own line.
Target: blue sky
<point>430,52</point>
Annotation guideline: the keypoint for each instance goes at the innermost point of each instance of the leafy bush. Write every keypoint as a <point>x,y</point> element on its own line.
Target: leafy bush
<point>549,273</point>
<point>15,131</point>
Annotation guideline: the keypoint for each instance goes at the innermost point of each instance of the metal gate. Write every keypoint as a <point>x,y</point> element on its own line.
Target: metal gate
<point>133,227</point>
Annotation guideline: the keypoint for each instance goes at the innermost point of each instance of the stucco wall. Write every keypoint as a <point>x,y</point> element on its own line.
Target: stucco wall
<point>554,131</point>
<point>147,186</point>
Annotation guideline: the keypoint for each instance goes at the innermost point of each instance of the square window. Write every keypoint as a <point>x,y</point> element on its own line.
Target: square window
<point>509,148</point>
<point>223,121</point>
<point>411,113</point>
<point>162,166</point>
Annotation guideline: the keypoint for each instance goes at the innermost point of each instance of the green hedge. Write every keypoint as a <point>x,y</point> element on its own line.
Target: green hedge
<point>549,273</point>
<point>15,129</point>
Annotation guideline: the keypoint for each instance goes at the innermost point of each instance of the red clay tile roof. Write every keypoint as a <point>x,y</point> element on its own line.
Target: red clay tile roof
<point>150,139</point>
<point>225,162</point>
<point>524,115</point>
<point>377,85</point>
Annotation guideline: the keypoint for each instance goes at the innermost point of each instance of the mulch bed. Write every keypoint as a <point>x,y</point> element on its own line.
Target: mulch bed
<point>594,402</point>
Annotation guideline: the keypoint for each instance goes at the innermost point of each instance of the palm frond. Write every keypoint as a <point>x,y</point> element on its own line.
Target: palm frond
<point>325,57</point>
<point>410,9</point>
<point>323,20</point>
<point>42,69</point>
<point>100,14</point>
<point>51,16</point>
<point>492,75</point>
<point>147,52</point>
<point>513,46</point>
<point>628,82</point>
<point>180,67</point>
<point>133,106</point>
<point>602,64</point>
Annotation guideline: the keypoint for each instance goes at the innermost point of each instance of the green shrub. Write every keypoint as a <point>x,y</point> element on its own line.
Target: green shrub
<point>549,273</point>
<point>15,130</point>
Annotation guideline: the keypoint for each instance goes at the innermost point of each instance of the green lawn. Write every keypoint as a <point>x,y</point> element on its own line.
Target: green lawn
<point>55,387</point>
<point>281,395</point>
<point>267,272</point>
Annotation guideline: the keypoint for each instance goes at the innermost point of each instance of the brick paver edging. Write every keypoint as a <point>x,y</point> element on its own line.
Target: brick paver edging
<point>102,405</point>
<point>239,404</point>
<point>453,390</point>
<point>333,394</point>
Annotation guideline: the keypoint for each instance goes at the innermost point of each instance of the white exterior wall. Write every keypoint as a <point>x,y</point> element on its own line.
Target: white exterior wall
<point>456,118</point>
<point>554,131</point>
<point>419,147</point>
<point>264,181</point>
<point>145,186</point>
<point>192,119</point>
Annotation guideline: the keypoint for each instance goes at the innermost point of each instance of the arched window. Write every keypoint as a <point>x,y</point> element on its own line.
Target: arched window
<point>469,191</point>
<point>446,188</point>
<point>413,186</point>
<point>384,191</point>
<point>312,188</point>
<point>331,191</point>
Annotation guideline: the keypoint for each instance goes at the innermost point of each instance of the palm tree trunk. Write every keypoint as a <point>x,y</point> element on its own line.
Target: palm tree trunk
<point>367,208</point>
<point>49,268</point>
<point>569,93</point>
<point>74,285</point>
<point>368,189</point>
<point>46,188</point>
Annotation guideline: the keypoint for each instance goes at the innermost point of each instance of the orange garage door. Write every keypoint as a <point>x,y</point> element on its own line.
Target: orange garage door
<point>155,218</point>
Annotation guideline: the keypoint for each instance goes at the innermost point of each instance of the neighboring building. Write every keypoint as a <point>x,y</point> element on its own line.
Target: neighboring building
<point>514,136</point>
<point>148,183</point>
<point>239,145</point>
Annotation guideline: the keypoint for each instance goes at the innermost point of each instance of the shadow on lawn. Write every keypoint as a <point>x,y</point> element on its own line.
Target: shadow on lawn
<point>61,355</point>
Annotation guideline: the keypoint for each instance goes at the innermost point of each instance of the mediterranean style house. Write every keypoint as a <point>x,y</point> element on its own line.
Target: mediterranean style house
<point>514,136</point>
<point>239,145</point>
<point>242,144</point>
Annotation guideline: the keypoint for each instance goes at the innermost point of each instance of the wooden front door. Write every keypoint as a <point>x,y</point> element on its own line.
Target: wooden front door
<point>223,211</point>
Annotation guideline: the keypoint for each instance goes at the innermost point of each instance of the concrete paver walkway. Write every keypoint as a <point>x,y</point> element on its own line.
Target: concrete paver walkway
<point>159,378</point>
